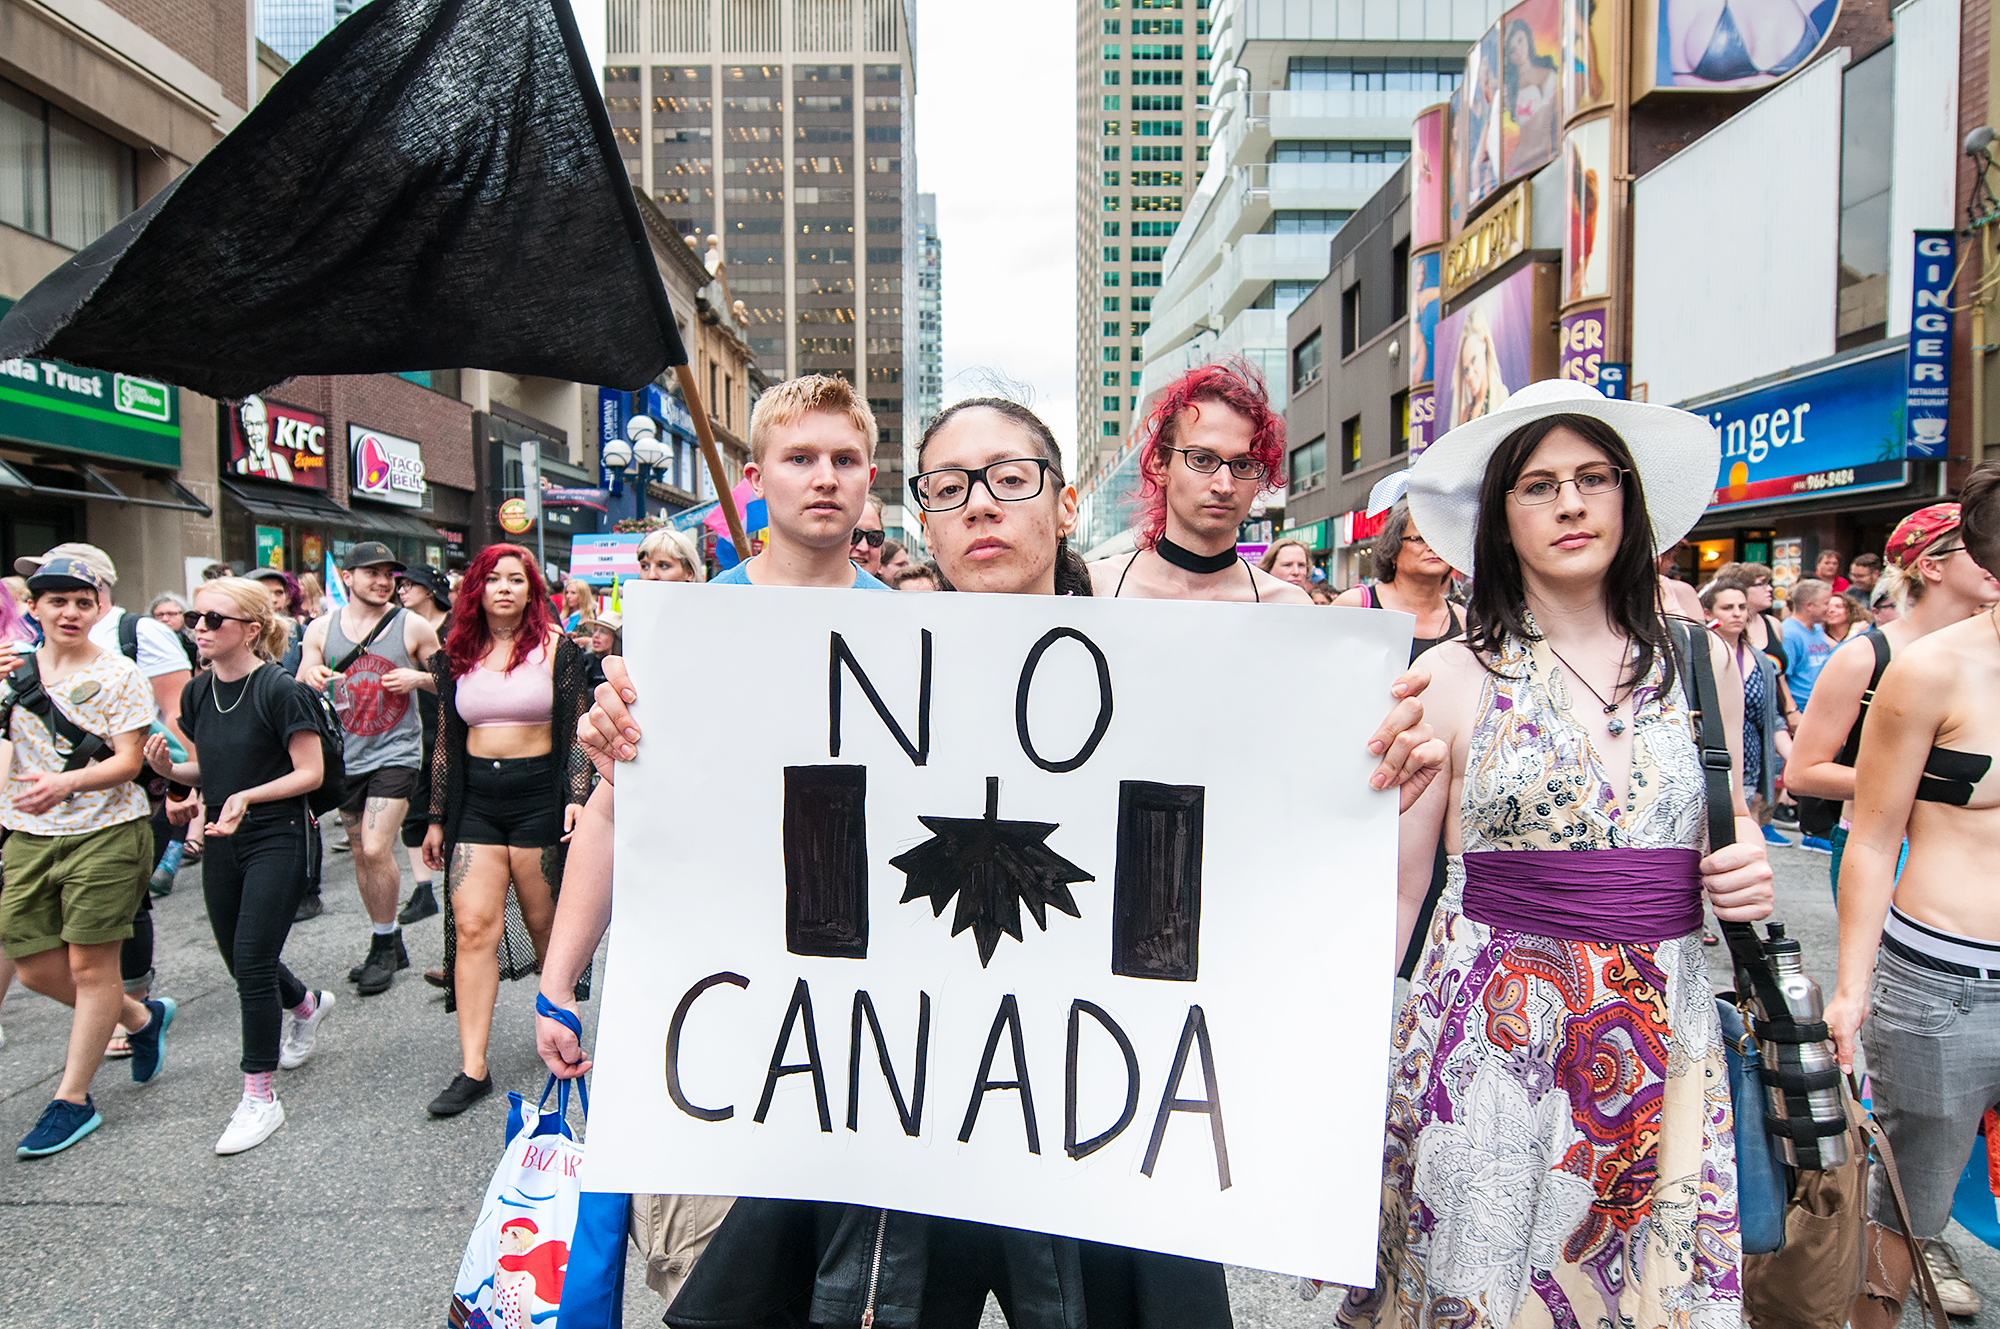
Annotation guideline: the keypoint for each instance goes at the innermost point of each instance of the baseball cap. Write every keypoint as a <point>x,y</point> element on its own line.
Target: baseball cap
<point>368,554</point>
<point>63,574</point>
<point>100,564</point>
<point>265,574</point>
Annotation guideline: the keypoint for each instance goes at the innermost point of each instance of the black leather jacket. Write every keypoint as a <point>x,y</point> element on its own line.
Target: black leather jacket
<point>790,1264</point>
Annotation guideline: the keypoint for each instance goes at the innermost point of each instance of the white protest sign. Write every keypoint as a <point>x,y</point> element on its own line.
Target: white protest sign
<point>1014,909</point>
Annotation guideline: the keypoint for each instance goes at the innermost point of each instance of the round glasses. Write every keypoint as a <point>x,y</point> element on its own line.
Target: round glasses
<point>1589,482</point>
<point>1208,463</point>
<point>950,488</point>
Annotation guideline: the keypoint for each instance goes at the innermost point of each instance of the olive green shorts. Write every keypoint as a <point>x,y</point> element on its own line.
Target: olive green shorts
<point>77,890</point>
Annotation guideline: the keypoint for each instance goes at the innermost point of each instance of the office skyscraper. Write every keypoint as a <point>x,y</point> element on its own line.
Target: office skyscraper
<point>784,127</point>
<point>1142,137</point>
<point>292,27</point>
<point>930,325</point>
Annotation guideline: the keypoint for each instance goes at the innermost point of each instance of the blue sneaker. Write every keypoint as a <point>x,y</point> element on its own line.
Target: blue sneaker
<point>1771,836</point>
<point>148,1052</point>
<point>63,1123</point>
<point>1811,843</point>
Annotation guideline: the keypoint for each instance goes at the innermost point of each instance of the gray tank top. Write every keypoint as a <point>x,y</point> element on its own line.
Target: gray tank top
<point>383,728</point>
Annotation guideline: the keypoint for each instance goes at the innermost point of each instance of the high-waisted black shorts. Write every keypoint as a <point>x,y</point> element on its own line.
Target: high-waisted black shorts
<point>508,802</point>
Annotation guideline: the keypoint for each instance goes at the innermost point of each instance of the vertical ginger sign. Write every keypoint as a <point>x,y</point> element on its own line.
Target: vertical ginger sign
<point>1063,914</point>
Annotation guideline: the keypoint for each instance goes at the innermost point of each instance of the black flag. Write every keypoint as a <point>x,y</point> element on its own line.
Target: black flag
<point>434,185</point>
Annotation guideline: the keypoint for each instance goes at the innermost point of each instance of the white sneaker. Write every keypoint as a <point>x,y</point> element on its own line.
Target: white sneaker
<point>296,1043</point>
<point>250,1125</point>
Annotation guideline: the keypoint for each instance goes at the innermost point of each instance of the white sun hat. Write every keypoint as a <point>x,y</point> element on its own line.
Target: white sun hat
<point>1677,454</point>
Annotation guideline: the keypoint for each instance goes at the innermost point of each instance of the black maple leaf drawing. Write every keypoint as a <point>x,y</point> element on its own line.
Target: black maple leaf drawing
<point>993,867</point>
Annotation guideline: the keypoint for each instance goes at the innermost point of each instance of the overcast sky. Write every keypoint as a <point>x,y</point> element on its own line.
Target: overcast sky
<point>995,142</point>
<point>996,126</point>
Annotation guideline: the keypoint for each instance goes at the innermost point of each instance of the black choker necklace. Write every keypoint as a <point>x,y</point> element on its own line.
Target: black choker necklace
<point>1204,564</point>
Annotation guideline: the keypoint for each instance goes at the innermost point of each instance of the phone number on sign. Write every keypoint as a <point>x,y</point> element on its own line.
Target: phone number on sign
<point>1826,480</point>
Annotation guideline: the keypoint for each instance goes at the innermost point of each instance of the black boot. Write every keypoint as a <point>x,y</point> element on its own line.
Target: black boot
<point>309,907</point>
<point>385,956</point>
<point>422,904</point>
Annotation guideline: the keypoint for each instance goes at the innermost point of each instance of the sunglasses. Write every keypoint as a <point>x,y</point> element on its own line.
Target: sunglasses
<point>214,621</point>
<point>874,538</point>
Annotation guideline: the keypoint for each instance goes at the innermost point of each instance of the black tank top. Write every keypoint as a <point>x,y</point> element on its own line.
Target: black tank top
<point>1418,645</point>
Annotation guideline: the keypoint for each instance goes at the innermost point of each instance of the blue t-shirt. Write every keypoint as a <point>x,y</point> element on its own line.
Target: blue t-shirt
<point>1806,651</point>
<point>740,576</point>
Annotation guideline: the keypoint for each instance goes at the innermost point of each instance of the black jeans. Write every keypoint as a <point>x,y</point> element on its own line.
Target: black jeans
<point>253,882</point>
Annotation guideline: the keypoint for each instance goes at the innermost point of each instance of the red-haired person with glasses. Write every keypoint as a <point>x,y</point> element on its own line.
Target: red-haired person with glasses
<point>508,779</point>
<point>1213,444</point>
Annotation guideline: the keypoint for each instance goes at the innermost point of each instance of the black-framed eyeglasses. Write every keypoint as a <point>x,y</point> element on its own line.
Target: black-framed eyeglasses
<point>1590,481</point>
<point>1416,540</point>
<point>874,538</point>
<point>950,488</point>
<point>1208,463</point>
<point>214,621</point>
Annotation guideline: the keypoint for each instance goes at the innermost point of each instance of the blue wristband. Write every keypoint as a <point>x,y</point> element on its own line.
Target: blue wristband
<point>543,1006</point>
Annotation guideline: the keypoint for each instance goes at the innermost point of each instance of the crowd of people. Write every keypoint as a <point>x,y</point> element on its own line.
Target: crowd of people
<point>1556,871</point>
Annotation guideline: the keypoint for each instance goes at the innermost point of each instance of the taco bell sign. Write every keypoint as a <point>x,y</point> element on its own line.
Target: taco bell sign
<point>1927,371</point>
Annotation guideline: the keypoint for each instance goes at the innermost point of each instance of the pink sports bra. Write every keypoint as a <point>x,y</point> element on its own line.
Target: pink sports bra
<point>526,696</point>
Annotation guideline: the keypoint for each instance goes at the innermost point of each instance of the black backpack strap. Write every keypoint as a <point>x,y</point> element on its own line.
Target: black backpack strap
<point>381,626</point>
<point>1852,747</point>
<point>31,696</point>
<point>128,635</point>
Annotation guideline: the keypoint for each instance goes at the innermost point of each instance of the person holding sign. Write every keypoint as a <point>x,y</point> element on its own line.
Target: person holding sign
<point>1559,1129</point>
<point>812,450</point>
<point>1213,444</point>
<point>507,783</point>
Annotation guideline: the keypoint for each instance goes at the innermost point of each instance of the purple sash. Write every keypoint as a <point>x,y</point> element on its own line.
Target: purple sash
<point>1586,894</point>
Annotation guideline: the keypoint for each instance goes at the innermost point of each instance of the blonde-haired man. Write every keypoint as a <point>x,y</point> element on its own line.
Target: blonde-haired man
<point>812,458</point>
<point>812,444</point>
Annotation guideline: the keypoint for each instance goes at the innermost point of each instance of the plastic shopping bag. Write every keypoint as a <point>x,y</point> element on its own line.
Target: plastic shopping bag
<point>594,1284</point>
<point>518,1258</point>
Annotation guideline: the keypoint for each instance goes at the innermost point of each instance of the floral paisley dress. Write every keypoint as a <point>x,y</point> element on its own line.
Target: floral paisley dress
<point>1559,1147</point>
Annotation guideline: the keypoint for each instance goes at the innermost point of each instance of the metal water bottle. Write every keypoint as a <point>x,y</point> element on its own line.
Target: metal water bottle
<point>1804,1006</point>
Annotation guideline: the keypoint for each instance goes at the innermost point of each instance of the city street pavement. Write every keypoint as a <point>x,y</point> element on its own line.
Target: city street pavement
<point>355,1214</point>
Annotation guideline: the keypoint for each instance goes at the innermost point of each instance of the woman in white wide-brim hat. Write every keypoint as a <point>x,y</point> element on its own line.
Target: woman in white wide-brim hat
<point>1559,1144</point>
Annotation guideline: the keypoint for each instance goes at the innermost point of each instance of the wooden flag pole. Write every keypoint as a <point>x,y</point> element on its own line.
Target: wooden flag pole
<point>692,396</point>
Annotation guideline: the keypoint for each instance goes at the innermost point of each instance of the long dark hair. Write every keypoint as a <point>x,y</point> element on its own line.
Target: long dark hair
<point>1072,575</point>
<point>469,638</point>
<point>1631,583</point>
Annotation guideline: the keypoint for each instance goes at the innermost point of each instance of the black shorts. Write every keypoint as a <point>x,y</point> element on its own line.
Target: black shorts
<point>383,782</point>
<point>508,802</point>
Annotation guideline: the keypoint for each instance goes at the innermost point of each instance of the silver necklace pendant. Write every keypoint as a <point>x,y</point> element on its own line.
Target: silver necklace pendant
<point>1616,724</point>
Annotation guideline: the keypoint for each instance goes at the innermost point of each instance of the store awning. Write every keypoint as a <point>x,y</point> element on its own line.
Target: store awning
<point>314,508</point>
<point>92,483</point>
<point>392,523</point>
<point>306,505</point>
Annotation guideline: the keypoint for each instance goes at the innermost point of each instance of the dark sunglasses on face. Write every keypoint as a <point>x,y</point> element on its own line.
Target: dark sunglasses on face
<point>874,538</point>
<point>214,621</point>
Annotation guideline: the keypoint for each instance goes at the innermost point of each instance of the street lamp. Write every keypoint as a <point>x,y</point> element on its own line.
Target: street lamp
<point>638,454</point>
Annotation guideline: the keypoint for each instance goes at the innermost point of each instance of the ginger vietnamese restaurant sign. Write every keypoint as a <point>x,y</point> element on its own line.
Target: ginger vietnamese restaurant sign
<point>54,404</point>
<point>1836,430</point>
<point>385,468</point>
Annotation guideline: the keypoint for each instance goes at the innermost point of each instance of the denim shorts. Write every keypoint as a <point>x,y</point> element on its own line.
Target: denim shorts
<point>511,802</point>
<point>1933,1045</point>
